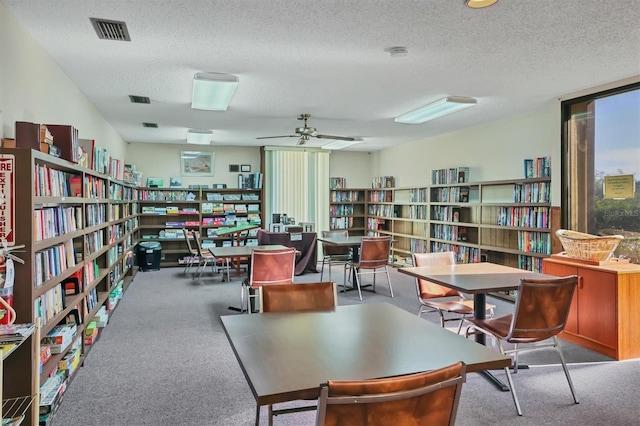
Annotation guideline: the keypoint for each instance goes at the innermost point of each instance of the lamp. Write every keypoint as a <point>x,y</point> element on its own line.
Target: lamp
<point>199,137</point>
<point>479,4</point>
<point>213,91</point>
<point>436,109</point>
<point>340,144</point>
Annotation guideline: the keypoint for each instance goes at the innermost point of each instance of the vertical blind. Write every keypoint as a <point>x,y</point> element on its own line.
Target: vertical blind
<point>297,184</point>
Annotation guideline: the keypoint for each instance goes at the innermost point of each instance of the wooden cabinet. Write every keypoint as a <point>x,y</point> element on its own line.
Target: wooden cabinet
<point>605,312</point>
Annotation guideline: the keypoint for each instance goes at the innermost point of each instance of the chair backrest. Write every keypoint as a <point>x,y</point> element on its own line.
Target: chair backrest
<point>196,237</point>
<point>429,398</point>
<point>320,296</point>
<point>272,267</point>
<point>542,308</point>
<point>374,252</point>
<point>427,289</point>
<point>332,249</point>
<point>187,239</point>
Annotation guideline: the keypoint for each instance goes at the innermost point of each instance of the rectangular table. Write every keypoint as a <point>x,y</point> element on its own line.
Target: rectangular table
<point>286,356</point>
<point>350,241</point>
<point>477,279</point>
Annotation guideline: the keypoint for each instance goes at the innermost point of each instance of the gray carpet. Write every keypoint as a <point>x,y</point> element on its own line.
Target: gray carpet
<point>164,360</point>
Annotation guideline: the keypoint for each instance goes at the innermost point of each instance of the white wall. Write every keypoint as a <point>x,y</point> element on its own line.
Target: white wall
<point>353,166</point>
<point>492,151</point>
<point>163,160</point>
<point>33,88</point>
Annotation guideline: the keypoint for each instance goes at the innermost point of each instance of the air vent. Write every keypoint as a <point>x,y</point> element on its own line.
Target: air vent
<point>155,125</point>
<point>139,99</point>
<point>110,30</point>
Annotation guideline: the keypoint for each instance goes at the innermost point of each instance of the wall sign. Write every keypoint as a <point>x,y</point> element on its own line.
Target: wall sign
<point>7,199</point>
<point>619,187</point>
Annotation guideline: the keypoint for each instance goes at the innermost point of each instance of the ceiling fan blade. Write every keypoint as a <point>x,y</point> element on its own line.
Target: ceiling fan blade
<point>274,137</point>
<point>338,138</point>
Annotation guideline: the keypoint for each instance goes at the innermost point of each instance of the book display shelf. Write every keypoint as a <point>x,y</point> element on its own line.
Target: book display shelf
<point>78,228</point>
<point>167,212</point>
<point>347,210</point>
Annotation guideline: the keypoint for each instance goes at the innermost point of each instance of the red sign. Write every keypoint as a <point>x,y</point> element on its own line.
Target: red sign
<point>7,199</point>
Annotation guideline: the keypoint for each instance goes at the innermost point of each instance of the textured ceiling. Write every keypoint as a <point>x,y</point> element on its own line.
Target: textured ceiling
<point>328,58</point>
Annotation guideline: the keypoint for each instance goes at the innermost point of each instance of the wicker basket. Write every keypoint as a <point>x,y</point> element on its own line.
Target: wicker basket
<point>586,246</point>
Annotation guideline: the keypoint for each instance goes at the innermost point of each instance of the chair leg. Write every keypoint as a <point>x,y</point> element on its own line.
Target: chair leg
<point>270,414</point>
<point>566,370</point>
<point>322,270</point>
<point>509,380</point>
<point>386,270</point>
<point>358,283</point>
<point>257,415</point>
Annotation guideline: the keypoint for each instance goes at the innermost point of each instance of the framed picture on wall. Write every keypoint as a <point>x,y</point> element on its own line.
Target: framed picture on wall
<point>245,168</point>
<point>197,163</point>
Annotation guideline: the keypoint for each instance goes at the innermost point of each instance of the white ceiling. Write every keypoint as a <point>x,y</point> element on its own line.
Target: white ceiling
<point>328,58</point>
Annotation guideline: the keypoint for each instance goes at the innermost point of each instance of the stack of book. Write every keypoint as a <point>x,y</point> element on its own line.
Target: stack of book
<point>15,333</point>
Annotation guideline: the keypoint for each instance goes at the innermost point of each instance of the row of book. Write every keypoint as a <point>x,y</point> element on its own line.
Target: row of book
<point>447,213</point>
<point>52,182</point>
<point>170,210</point>
<point>49,304</point>
<point>341,210</point>
<point>208,208</point>
<point>418,212</point>
<point>537,192</point>
<point>96,214</point>
<point>530,263</point>
<point>121,192</point>
<point>454,194</point>
<point>53,261</point>
<point>55,221</point>
<point>337,183</point>
<point>176,195</point>
<point>450,175</point>
<point>418,246</point>
<point>534,242</point>
<point>383,210</point>
<point>383,182</point>
<point>250,181</point>
<point>464,254</point>
<point>418,195</point>
<point>341,222</point>
<point>537,167</point>
<point>345,196</point>
<point>450,232</point>
<point>526,217</point>
<point>95,187</point>
<point>94,241</point>
<point>377,224</point>
<point>380,196</point>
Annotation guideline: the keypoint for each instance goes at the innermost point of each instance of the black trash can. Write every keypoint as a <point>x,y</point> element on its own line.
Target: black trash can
<point>149,254</point>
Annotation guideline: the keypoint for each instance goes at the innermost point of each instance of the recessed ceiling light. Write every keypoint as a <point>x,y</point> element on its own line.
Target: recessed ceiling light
<point>199,137</point>
<point>436,109</point>
<point>213,91</point>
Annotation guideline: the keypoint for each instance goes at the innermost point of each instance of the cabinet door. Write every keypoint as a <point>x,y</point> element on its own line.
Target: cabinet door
<point>560,270</point>
<point>597,300</point>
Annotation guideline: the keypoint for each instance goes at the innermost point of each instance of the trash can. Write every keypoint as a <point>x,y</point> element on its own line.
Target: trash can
<point>149,254</point>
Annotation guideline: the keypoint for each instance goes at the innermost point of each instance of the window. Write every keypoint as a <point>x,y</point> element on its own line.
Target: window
<point>601,166</point>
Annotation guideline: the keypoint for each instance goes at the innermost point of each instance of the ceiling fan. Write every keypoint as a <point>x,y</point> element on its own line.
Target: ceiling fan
<point>304,133</point>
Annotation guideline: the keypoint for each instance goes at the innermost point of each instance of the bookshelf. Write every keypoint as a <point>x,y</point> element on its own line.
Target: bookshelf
<point>347,210</point>
<point>508,222</point>
<point>165,212</point>
<point>78,228</point>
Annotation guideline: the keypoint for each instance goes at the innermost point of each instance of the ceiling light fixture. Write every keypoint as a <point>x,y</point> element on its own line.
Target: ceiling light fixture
<point>213,91</point>
<point>479,4</point>
<point>199,137</point>
<point>340,144</point>
<point>436,109</point>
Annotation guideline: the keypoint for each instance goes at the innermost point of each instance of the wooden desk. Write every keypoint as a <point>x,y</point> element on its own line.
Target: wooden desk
<point>286,356</point>
<point>477,279</point>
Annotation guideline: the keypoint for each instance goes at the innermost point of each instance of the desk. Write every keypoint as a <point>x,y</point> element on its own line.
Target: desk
<point>286,356</point>
<point>477,279</point>
<point>353,242</point>
<point>308,259</point>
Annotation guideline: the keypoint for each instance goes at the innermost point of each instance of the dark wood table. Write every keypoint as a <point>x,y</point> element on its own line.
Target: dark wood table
<point>477,279</point>
<point>353,242</point>
<point>286,356</point>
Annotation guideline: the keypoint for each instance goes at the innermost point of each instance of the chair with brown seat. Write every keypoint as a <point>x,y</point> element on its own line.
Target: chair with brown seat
<point>429,398</point>
<point>437,298</point>
<point>193,253</point>
<point>305,297</point>
<point>541,312</point>
<point>333,254</point>
<point>268,267</point>
<point>205,258</point>
<point>373,259</point>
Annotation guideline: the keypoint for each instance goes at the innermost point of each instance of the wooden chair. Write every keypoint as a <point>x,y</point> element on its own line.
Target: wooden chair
<point>320,296</point>
<point>268,267</point>
<point>429,398</point>
<point>332,254</point>
<point>437,298</point>
<point>373,260</point>
<point>541,312</point>
<point>193,253</point>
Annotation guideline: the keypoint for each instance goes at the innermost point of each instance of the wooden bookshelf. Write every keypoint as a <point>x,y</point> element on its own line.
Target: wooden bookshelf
<point>347,210</point>
<point>202,210</point>
<point>84,235</point>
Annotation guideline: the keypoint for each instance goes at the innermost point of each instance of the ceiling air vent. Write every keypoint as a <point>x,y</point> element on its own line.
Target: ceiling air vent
<point>139,99</point>
<point>155,125</point>
<point>110,30</point>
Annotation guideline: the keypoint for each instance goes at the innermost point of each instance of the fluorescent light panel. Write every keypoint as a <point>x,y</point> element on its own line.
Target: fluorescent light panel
<point>213,91</point>
<point>199,137</point>
<point>436,109</point>
<point>479,4</point>
<point>339,144</point>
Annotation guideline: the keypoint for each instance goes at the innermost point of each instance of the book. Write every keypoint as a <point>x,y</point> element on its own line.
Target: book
<point>15,333</point>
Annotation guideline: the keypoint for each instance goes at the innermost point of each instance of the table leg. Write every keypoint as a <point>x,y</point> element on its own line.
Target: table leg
<point>480,312</point>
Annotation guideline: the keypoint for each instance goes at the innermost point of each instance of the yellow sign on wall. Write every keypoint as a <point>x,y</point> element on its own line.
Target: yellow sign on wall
<point>619,187</point>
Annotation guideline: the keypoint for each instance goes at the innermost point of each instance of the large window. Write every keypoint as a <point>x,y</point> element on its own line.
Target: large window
<point>601,166</point>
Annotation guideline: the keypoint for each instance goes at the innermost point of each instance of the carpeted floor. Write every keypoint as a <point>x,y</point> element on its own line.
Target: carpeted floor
<point>164,360</point>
